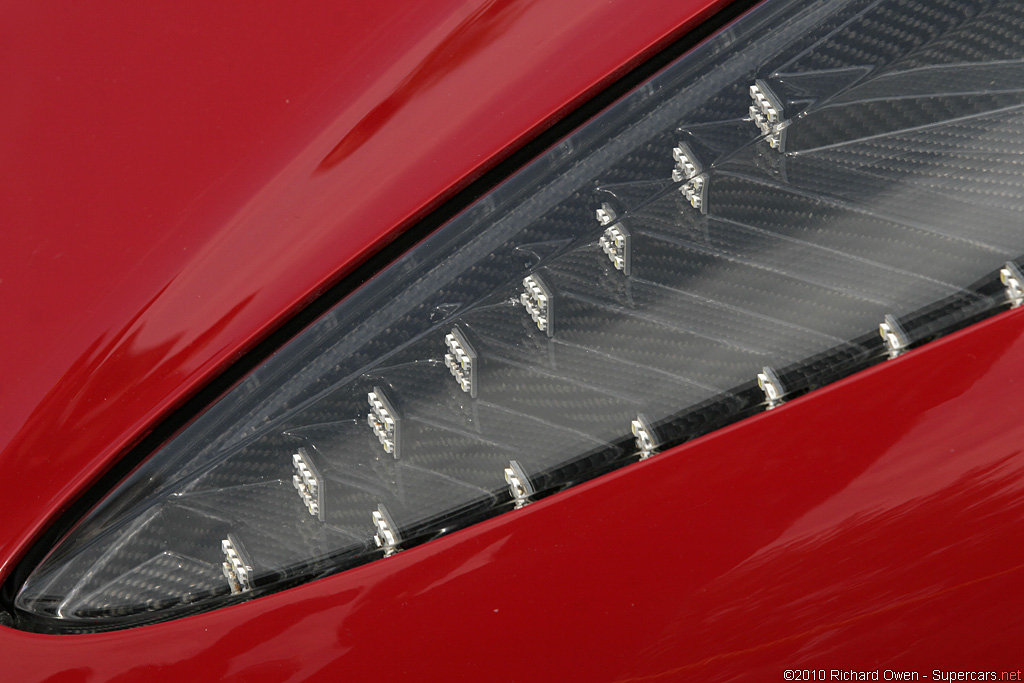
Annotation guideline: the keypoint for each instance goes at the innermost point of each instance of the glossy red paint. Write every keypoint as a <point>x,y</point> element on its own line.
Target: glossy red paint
<point>874,524</point>
<point>178,179</point>
<point>179,191</point>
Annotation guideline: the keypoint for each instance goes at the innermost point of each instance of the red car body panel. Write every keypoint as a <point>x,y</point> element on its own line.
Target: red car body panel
<point>181,180</point>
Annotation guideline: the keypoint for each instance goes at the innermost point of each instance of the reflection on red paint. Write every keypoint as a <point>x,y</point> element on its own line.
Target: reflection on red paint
<point>473,34</point>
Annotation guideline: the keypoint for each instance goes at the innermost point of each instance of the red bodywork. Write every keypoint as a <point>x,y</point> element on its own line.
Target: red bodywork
<point>179,180</point>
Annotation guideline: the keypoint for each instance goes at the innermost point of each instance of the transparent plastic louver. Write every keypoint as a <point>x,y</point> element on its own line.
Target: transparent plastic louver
<point>813,190</point>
